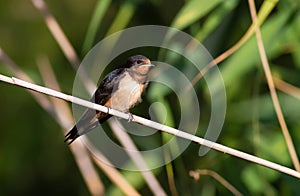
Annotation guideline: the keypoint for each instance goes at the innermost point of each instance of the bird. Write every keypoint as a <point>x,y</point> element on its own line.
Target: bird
<point>121,90</point>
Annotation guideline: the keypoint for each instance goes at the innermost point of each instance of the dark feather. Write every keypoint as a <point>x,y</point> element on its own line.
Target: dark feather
<point>106,89</point>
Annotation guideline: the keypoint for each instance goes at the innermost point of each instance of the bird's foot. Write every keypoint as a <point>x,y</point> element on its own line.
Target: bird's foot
<point>130,117</point>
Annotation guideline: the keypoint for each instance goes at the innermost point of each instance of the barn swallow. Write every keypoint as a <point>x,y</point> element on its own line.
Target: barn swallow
<point>121,90</point>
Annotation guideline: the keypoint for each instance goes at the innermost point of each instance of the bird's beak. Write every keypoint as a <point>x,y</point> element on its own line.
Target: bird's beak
<point>147,62</point>
<point>151,65</point>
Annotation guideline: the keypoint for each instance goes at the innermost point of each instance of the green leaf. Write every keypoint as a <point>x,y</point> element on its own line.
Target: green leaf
<point>215,18</point>
<point>295,40</point>
<point>95,22</point>
<point>193,11</point>
<point>123,17</point>
<point>256,181</point>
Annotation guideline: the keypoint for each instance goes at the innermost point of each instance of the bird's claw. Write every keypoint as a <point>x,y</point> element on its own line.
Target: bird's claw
<point>130,117</point>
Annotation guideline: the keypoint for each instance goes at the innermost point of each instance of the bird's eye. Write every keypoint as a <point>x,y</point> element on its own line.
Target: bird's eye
<point>139,62</point>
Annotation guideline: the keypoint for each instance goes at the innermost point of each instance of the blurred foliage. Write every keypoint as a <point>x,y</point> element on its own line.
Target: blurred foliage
<point>34,160</point>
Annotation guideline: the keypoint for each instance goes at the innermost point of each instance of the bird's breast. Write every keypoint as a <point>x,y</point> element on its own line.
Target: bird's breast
<point>129,93</point>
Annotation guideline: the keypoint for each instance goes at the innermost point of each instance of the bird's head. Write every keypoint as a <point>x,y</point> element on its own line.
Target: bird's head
<point>139,64</point>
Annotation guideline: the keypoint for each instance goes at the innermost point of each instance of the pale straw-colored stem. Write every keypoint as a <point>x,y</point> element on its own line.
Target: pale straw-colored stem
<point>197,173</point>
<point>152,124</point>
<point>271,85</point>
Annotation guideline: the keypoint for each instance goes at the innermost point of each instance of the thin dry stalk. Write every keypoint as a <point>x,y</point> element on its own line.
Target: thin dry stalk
<point>114,175</point>
<point>40,98</point>
<point>170,175</point>
<point>57,32</point>
<point>61,107</point>
<point>287,88</point>
<point>64,114</point>
<point>271,85</point>
<point>62,41</point>
<point>197,173</point>
<point>152,124</point>
<point>137,158</point>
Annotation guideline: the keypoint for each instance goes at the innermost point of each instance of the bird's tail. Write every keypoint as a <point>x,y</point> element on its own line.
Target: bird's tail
<point>72,135</point>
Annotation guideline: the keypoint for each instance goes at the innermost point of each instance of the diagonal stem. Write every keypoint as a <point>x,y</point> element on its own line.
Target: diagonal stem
<point>152,124</point>
<point>273,93</point>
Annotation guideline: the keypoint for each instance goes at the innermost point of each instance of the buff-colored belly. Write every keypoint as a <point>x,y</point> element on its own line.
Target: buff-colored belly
<point>127,96</point>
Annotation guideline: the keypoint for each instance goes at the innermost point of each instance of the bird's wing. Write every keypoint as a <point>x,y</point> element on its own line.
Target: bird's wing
<point>108,86</point>
<point>91,118</point>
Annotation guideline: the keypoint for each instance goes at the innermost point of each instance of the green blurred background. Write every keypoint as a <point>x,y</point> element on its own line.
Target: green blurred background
<point>33,158</point>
